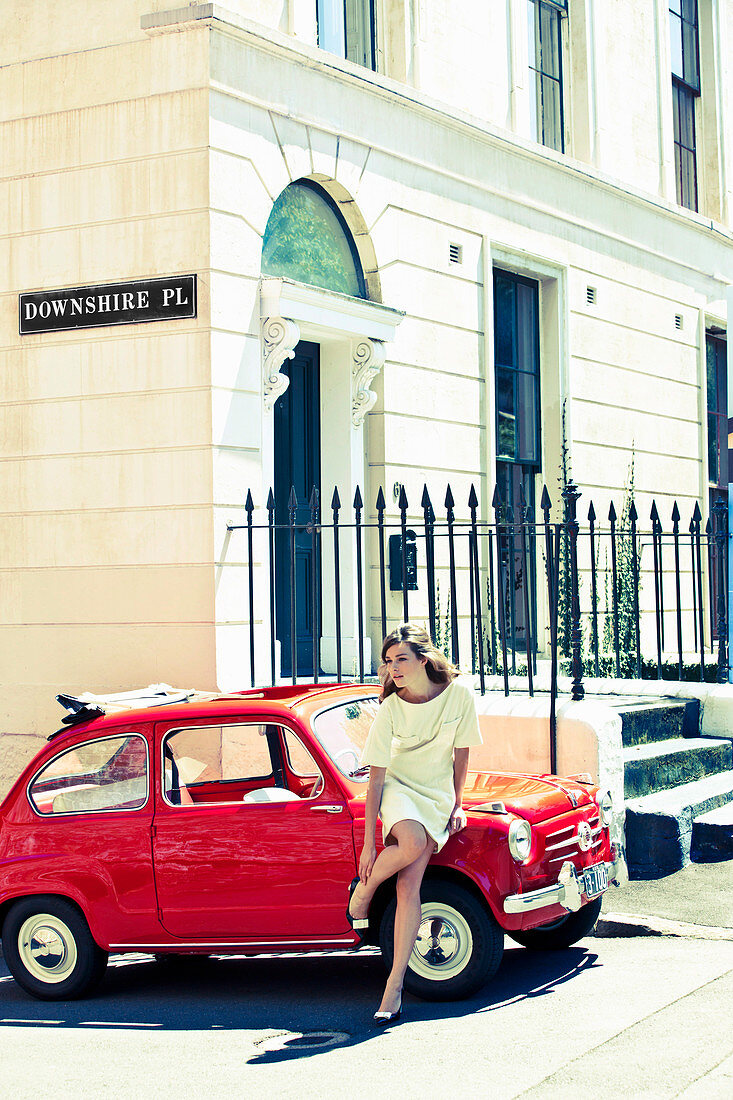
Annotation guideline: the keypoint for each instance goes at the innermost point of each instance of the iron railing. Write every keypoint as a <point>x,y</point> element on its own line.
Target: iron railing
<point>619,600</point>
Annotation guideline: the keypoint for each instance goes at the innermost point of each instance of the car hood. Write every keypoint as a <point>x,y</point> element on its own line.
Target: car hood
<point>534,797</point>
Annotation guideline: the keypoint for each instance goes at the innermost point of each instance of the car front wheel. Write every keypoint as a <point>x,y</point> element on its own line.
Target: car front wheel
<point>49,949</point>
<point>563,932</point>
<point>458,948</point>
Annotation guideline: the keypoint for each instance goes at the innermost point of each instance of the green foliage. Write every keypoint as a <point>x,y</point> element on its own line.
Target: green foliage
<point>624,588</point>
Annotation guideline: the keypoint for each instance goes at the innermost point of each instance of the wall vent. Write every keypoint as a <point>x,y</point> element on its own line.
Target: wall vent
<point>678,320</point>
<point>455,253</point>
<point>590,295</point>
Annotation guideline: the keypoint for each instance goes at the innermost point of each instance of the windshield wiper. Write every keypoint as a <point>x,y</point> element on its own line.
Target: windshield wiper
<point>359,771</point>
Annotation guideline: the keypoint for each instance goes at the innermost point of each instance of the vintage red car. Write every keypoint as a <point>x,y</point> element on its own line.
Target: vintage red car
<point>233,824</point>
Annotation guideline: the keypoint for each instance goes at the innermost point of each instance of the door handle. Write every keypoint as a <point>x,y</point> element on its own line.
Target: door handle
<point>321,809</point>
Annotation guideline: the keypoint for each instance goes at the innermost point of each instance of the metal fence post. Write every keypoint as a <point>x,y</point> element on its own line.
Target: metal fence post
<point>571,493</point>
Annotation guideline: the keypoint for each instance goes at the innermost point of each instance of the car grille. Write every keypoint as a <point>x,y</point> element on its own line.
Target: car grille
<point>561,841</point>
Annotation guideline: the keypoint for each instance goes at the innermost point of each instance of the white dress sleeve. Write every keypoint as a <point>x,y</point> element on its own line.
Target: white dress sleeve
<point>378,748</point>
<point>467,731</point>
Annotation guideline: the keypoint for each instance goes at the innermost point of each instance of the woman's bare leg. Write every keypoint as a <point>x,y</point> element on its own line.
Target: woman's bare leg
<point>410,840</point>
<point>406,925</point>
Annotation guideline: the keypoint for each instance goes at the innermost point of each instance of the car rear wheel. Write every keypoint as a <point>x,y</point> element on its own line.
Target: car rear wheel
<point>563,932</point>
<point>49,949</point>
<point>458,948</point>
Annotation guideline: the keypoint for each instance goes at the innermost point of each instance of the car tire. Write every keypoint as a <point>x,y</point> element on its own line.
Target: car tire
<point>563,932</point>
<point>454,959</point>
<point>49,949</point>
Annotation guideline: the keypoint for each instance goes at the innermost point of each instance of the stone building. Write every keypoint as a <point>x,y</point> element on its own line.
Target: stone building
<point>425,238</point>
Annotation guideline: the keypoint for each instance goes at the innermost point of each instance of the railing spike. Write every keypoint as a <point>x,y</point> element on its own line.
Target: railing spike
<point>381,503</point>
<point>249,504</point>
<point>545,502</point>
<point>425,501</point>
<point>449,501</point>
<point>472,498</point>
<point>335,499</point>
<point>358,502</point>
<point>292,499</point>
<point>270,501</point>
<point>654,514</point>
<point>402,501</point>
<point>675,513</point>
<point>496,500</point>
<point>314,498</point>
<point>708,527</point>
<point>612,513</point>
<point>697,514</point>
<point>591,513</point>
<point>633,514</point>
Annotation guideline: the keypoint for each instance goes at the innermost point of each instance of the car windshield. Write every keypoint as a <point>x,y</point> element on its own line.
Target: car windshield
<point>342,732</point>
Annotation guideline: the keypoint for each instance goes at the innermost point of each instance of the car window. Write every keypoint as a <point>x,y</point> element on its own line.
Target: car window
<point>342,731</point>
<point>110,773</point>
<point>302,766</point>
<point>208,764</point>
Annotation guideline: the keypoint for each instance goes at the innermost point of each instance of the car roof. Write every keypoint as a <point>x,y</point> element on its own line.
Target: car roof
<point>282,700</point>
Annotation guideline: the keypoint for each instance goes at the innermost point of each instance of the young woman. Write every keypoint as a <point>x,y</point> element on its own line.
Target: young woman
<point>417,750</point>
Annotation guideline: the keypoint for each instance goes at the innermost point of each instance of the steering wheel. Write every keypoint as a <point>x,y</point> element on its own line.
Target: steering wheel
<point>346,752</point>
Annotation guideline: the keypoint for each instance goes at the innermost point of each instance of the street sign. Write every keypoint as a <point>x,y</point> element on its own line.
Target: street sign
<point>129,303</point>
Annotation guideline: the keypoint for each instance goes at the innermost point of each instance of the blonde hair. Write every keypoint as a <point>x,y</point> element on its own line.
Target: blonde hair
<point>438,667</point>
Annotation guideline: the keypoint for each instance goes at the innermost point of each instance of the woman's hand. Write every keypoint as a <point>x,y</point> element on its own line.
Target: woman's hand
<point>457,821</point>
<point>366,860</point>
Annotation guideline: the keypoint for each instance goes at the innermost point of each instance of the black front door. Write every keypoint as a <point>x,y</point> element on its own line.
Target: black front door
<point>297,466</point>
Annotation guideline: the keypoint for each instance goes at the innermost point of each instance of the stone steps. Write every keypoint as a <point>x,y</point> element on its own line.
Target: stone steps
<point>659,721</point>
<point>678,787</point>
<point>661,765</point>
<point>660,825</point>
<point>712,835</point>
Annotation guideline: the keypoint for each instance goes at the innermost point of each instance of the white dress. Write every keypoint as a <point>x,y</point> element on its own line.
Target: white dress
<point>415,743</point>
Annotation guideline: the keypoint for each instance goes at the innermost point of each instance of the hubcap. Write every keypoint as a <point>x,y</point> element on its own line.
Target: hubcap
<point>444,943</point>
<point>47,948</point>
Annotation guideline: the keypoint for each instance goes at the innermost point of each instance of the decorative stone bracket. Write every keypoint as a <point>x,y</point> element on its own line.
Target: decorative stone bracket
<point>368,361</point>
<point>280,336</point>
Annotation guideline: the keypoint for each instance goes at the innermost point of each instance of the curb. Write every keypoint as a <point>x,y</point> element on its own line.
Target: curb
<point>620,925</point>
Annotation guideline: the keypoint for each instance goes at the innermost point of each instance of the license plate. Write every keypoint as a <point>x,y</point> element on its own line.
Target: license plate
<point>595,879</point>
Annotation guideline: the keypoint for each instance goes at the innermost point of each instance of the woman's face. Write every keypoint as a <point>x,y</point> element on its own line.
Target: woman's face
<point>404,666</point>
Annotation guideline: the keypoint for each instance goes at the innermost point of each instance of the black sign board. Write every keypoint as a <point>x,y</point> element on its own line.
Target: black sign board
<point>129,303</point>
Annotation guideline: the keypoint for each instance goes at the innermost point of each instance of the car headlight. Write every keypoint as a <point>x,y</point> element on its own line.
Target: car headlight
<point>520,839</point>
<point>605,807</point>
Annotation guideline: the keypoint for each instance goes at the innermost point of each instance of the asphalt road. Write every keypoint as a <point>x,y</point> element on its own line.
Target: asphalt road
<point>644,1017</point>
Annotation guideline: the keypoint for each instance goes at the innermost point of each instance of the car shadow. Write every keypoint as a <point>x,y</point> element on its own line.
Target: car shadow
<point>297,1006</point>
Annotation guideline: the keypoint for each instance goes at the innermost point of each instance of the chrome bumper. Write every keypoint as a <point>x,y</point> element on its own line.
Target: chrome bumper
<point>567,891</point>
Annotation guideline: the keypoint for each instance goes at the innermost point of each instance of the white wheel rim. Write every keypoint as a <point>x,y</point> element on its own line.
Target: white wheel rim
<point>47,948</point>
<point>444,943</point>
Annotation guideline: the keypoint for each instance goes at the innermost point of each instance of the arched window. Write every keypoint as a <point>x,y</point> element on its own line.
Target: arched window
<point>307,239</point>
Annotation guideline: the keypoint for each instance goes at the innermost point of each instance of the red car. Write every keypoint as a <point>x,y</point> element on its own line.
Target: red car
<point>232,825</point>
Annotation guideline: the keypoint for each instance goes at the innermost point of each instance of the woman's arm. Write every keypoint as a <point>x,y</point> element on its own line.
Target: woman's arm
<point>373,800</point>
<point>460,771</point>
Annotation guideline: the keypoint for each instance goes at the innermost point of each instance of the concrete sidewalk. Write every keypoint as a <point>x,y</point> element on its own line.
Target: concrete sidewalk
<point>696,901</point>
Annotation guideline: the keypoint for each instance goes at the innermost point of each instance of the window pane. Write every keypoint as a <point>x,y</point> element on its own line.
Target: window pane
<point>551,114</point>
<point>526,328</point>
<point>506,431</point>
<point>532,28</point>
<point>689,55</point>
<point>687,119</point>
<point>535,106</point>
<point>331,31</point>
<point>527,417</point>
<point>675,40</point>
<point>359,32</point>
<point>713,468</point>
<point>711,366</point>
<point>306,241</point>
<point>504,320</point>
<point>676,111</point>
<point>210,757</point>
<point>689,179</point>
<point>550,42</point>
<point>111,774</point>
<point>689,10</point>
<point>676,5</point>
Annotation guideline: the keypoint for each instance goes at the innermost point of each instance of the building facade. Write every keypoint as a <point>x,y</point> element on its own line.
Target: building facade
<point>430,242</point>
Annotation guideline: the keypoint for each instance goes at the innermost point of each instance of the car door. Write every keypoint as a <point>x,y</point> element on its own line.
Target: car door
<point>231,863</point>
